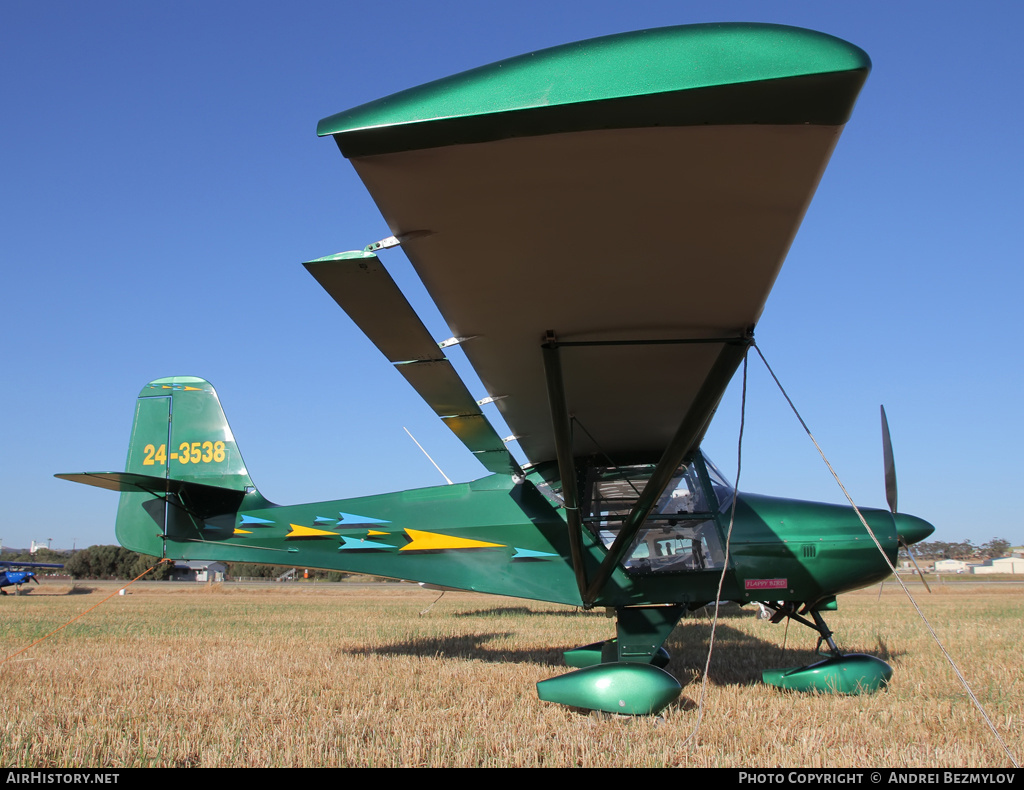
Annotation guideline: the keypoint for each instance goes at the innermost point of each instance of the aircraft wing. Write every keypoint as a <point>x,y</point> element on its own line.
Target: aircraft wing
<point>626,201</point>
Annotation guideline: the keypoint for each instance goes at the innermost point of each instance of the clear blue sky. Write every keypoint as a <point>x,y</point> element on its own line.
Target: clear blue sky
<point>162,181</point>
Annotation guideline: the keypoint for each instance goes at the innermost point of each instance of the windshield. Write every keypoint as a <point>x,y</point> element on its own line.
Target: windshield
<point>724,490</point>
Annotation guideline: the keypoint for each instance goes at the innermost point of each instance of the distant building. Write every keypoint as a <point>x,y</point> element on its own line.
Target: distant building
<point>1001,565</point>
<point>950,566</point>
<point>199,571</point>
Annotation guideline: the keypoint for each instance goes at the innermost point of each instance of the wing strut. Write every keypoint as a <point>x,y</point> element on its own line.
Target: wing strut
<point>566,463</point>
<point>683,443</point>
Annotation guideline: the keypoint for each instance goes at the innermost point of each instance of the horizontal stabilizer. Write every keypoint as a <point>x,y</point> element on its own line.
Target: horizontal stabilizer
<point>200,500</point>
<point>365,290</point>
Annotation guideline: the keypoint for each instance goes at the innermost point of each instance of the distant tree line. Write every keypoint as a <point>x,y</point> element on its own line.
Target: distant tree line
<point>251,570</point>
<point>114,562</point>
<point>965,550</point>
<point>41,555</point>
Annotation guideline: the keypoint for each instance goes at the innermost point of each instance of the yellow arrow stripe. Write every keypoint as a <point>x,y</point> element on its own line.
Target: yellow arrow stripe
<point>308,532</point>
<point>432,541</point>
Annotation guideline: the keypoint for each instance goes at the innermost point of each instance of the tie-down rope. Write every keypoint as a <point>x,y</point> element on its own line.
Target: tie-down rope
<point>725,562</point>
<point>863,521</point>
<point>82,614</point>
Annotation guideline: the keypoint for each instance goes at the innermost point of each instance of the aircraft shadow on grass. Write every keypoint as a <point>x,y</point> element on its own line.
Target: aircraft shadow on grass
<point>524,611</point>
<point>739,658</point>
<point>76,590</point>
<point>726,613</point>
<point>51,593</point>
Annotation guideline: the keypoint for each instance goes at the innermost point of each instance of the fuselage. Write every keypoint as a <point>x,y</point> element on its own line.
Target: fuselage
<point>12,578</point>
<point>494,535</point>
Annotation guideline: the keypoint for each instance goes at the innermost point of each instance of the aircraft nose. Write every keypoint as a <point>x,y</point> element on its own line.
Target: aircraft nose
<point>912,529</point>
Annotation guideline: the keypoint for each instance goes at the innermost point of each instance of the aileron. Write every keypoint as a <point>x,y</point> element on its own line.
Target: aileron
<point>365,290</point>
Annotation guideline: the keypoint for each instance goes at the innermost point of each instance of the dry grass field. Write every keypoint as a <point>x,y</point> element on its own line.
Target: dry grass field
<point>353,675</point>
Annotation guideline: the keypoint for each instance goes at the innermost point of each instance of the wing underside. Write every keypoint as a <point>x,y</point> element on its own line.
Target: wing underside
<point>638,230</point>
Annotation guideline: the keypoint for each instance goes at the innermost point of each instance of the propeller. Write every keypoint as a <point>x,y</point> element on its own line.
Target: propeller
<point>891,492</point>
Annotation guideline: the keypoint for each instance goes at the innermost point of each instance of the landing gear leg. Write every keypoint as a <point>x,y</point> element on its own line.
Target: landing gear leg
<point>849,673</point>
<point>825,634</point>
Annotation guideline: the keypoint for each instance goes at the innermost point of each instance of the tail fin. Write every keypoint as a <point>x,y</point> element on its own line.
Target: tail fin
<point>183,467</point>
<point>180,432</point>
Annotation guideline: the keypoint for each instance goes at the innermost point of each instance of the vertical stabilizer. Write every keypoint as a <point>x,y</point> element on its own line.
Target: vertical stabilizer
<point>179,433</point>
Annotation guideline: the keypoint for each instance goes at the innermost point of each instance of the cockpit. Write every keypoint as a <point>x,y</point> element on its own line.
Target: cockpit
<point>680,535</point>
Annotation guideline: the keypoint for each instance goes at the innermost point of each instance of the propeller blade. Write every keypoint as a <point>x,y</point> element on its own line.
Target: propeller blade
<point>918,567</point>
<point>890,465</point>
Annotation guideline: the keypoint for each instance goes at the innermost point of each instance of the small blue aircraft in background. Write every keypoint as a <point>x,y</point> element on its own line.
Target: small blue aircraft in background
<point>16,578</point>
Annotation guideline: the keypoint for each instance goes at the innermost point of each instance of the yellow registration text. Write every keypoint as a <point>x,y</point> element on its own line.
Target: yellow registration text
<point>188,453</point>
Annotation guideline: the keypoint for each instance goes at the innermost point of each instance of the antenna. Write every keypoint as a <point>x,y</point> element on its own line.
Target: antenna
<point>438,468</point>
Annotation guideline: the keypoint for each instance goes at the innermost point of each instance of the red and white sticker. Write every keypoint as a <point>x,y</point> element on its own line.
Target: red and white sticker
<point>766,584</point>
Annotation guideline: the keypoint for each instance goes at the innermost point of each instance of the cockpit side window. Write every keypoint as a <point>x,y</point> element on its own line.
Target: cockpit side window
<point>680,535</point>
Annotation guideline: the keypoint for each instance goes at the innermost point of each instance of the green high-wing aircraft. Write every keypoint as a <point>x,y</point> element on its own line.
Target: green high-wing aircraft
<point>600,224</point>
